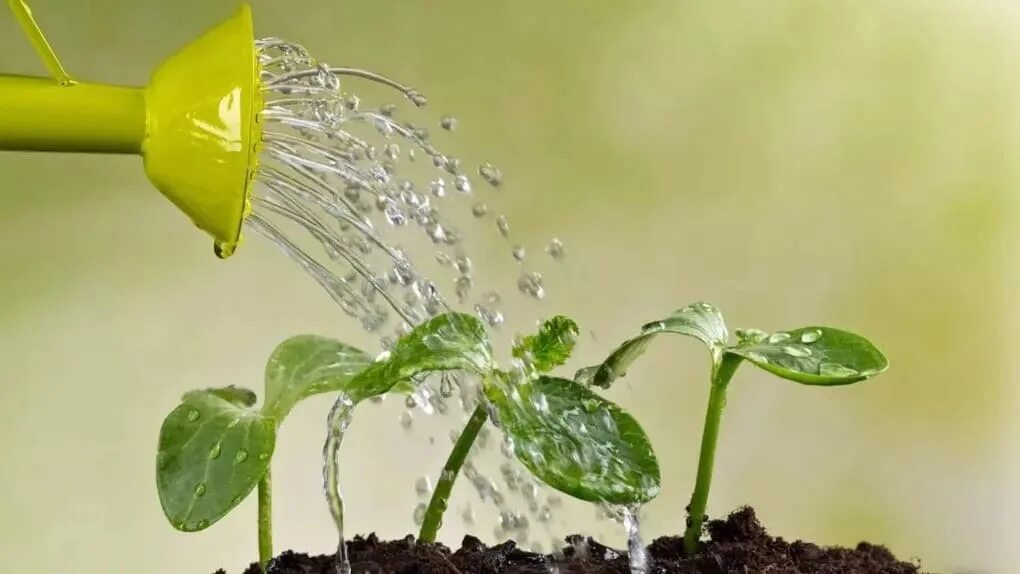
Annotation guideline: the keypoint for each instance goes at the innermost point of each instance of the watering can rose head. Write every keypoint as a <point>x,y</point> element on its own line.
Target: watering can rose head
<point>195,124</point>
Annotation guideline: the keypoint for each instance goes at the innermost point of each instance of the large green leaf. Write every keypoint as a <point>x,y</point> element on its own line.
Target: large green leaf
<point>213,450</point>
<point>306,365</point>
<point>551,346</point>
<point>576,441</point>
<point>450,342</point>
<point>700,320</point>
<point>815,356</point>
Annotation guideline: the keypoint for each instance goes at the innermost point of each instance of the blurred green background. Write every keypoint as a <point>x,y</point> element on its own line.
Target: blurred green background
<point>843,162</point>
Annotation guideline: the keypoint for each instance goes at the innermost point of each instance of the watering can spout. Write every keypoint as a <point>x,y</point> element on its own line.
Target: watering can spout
<point>194,125</point>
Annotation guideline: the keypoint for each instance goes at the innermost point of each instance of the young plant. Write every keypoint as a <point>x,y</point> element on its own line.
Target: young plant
<point>215,447</point>
<point>564,434</point>
<point>809,355</point>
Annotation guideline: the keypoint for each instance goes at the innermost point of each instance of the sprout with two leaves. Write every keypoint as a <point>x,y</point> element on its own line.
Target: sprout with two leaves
<point>216,446</point>
<point>566,435</point>
<point>820,356</point>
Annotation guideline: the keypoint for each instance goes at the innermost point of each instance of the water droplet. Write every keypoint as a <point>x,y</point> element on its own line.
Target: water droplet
<point>479,210</point>
<point>463,287</point>
<point>462,183</point>
<point>263,456</point>
<point>491,317</point>
<point>808,337</point>
<point>214,452</point>
<point>836,370</point>
<point>531,284</point>
<point>423,486</point>
<point>468,516</point>
<point>555,249</point>
<point>200,489</point>
<point>417,99</point>
<point>778,337</point>
<point>448,123</point>
<point>503,225</point>
<point>518,253</point>
<point>750,336</point>
<point>462,263</point>
<point>438,187</point>
<point>202,524</point>
<point>799,352</point>
<point>406,420</point>
<point>193,415</point>
<point>241,456</point>
<point>491,174</point>
<point>388,110</point>
<point>392,151</point>
<point>419,513</point>
<point>443,259</point>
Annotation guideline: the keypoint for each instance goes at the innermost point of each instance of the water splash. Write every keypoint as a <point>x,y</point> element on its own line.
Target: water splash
<point>337,422</point>
<point>636,551</point>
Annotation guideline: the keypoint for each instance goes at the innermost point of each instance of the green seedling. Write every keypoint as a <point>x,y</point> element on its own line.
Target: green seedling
<point>810,355</point>
<point>566,435</point>
<point>216,446</point>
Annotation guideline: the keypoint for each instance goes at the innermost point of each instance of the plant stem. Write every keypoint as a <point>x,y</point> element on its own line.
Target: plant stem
<point>722,372</point>
<point>440,496</point>
<point>265,520</point>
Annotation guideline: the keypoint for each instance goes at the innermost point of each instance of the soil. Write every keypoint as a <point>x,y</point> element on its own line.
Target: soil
<point>738,544</point>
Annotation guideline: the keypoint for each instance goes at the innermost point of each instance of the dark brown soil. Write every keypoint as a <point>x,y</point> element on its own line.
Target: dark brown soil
<point>739,545</point>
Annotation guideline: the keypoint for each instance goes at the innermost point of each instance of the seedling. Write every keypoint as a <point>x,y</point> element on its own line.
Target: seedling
<point>215,447</point>
<point>810,355</point>
<point>566,435</point>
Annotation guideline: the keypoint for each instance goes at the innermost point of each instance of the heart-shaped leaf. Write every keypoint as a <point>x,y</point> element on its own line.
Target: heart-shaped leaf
<point>576,441</point>
<point>306,365</point>
<point>551,346</point>
<point>212,452</point>
<point>700,320</point>
<point>815,356</point>
<point>449,342</point>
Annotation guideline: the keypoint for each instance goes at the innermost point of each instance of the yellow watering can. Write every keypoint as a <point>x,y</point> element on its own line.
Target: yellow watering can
<point>195,125</point>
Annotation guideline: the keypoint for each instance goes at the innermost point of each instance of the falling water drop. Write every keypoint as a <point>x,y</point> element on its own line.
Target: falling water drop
<point>555,249</point>
<point>419,513</point>
<point>423,486</point>
<point>462,183</point>
<point>531,284</point>
<point>518,253</point>
<point>491,174</point>
<point>503,224</point>
<point>448,123</point>
<point>406,420</point>
<point>479,210</point>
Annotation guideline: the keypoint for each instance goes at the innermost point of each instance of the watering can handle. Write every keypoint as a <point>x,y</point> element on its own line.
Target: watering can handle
<point>23,14</point>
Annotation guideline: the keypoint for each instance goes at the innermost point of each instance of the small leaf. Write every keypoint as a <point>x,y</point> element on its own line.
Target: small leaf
<point>306,365</point>
<point>212,453</point>
<point>700,320</point>
<point>815,356</point>
<point>449,342</point>
<point>576,441</point>
<point>551,346</point>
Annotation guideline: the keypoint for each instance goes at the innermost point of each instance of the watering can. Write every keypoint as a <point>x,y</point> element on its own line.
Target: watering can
<point>195,125</point>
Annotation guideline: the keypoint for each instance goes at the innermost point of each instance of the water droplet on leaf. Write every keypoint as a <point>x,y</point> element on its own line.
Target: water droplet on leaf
<point>808,337</point>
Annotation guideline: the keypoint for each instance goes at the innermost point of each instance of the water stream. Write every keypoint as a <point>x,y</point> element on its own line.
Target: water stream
<point>339,187</point>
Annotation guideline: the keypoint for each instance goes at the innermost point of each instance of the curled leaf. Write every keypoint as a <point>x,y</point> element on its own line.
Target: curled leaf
<point>213,450</point>
<point>306,365</point>
<point>449,342</point>
<point>551,346</point>
<point>815,356</point>
<point>700,320</point>
<point>576,441</point>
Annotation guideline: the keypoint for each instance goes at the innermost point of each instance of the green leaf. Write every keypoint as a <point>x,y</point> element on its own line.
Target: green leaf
<point>450,342</point>
<point>700,320</point>
<point>815,356</point>
<point>551,346</point>
<point>576,441</point>
<point>306,365</point>
<point>212,452</point>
